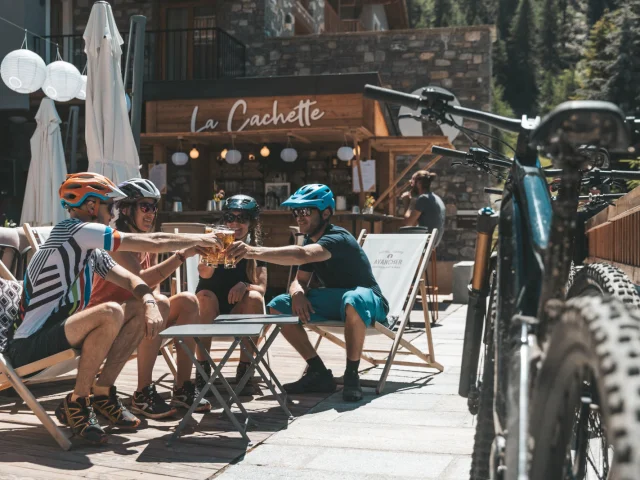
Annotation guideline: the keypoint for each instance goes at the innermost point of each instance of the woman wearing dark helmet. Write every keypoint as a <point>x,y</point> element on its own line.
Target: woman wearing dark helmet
<point>238,290</point>
<point>137,214</point>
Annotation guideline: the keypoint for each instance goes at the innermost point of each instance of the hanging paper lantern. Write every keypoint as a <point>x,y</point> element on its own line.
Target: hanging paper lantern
<point>289,154</point>
<point>345,153</point>
<point>63,81</point>
<point>179,158</point>
<point>23,71</point>
<point>233,157</point>
<point>82,94</point>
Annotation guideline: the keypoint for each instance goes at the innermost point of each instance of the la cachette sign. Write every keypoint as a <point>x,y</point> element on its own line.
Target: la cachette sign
<point>240,117</point>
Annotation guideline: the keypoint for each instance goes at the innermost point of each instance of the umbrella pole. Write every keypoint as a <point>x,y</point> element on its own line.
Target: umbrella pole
<point>137,28</point>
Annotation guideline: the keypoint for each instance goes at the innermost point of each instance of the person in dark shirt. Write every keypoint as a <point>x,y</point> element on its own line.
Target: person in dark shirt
<point>350,294</point>
<point>423,207</point>
<point>237,290</point>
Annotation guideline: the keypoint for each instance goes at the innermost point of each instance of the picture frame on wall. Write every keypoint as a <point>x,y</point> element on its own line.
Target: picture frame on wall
<point>275,194</point>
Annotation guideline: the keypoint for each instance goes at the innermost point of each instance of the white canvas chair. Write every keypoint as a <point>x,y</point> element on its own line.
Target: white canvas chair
<point>48,369</point>
<point>399,262</point>
<point>36,236</point>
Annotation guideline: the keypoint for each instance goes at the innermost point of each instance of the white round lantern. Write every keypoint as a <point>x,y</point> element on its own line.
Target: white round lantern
<point>23,71</point>
<point>82,94</point>
<point>63,81</point>
<point>289,154</point>
<point>179,158</point>
<point>345,153</point>
<point>233,156</point>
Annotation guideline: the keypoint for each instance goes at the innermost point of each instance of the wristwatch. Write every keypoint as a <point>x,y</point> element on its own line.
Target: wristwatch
<point>151,302</point>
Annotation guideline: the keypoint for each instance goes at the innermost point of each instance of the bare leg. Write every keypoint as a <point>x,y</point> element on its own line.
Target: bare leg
<point>298,338</point>
<point>354,333</point>
<point>123,346</point>
<point>94,331</point>
<point>149,347</point>
<point>251,303</point>
<point>209,311</point>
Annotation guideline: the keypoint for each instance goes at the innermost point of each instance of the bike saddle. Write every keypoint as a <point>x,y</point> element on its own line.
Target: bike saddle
<point>572,125</point>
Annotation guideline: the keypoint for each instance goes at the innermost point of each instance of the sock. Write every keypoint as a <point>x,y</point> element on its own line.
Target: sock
<point>352,367</point>
<point>316,364</point>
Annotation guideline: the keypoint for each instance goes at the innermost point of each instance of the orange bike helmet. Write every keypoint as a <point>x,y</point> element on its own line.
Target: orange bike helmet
<point>80,186</point>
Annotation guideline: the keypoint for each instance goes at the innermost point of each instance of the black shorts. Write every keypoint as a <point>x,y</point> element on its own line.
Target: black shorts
<point>220,293</point>
<point>47,341</point>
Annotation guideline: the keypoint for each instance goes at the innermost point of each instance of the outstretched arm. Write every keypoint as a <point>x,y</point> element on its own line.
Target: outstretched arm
<point>166,242</point>
<point>290,255</point>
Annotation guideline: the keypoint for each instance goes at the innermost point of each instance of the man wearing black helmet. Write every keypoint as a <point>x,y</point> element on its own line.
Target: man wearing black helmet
<point>236,290</point>
<point>350,292</point>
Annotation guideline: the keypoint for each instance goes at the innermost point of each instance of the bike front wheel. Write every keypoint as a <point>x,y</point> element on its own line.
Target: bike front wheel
<point>585,404</point>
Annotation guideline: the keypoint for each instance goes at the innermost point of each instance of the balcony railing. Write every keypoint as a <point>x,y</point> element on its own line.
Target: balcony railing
<point>187,54</point>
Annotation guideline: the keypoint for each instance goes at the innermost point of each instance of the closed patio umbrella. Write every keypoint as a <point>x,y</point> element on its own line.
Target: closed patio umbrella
<point>110,145</point>
<point>47,170</point>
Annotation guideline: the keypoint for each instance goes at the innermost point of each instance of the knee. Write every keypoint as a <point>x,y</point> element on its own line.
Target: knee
<point>189,303</point>
<point>113,314</point>
<point>253,300</point>
<point>208,305</point>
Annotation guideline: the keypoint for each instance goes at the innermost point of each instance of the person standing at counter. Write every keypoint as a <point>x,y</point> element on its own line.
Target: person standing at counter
<point>423,207</point>
<point>238,290</point>
<point>350,294</point>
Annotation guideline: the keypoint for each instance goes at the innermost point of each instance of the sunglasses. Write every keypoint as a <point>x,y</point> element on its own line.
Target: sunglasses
<point>147,207</point>
<point>233,218</point>
<point>302,212</point>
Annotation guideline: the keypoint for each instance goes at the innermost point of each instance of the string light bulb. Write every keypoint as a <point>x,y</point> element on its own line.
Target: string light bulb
<point>194,153</point>
<point>264,151</point>
<point>223,153</point>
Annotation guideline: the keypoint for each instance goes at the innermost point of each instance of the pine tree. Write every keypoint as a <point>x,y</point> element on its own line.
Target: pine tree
<point>595,10</point>
<point>622,86</point>
<point>599,56</point>
<point>504,16</point>
<point>500,107</point>
<point>446,13</point>
<point>550,62</point>
<point>476,12</point>
<point>521,90</point>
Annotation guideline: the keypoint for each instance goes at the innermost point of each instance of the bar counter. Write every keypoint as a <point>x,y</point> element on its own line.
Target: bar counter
<point>276,231</point>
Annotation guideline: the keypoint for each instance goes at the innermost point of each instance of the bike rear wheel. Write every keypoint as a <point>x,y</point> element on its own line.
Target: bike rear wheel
<point>604,279</point>
<point>584,420</point>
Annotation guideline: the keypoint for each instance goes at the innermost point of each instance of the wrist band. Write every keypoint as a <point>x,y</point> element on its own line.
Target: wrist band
<point>181,256</point>
<point>150,302</point>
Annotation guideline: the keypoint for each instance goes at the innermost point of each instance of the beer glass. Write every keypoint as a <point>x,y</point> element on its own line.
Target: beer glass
<point>228,237</point>
<point>210,259</point>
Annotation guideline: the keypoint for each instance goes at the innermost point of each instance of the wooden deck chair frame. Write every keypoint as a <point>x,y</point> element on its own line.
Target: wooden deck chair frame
<point>49,369</point>
<point>400,346</point>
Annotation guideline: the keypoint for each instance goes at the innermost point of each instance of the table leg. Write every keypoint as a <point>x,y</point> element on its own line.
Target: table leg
<point>217,369</point>
<point>258,358</point>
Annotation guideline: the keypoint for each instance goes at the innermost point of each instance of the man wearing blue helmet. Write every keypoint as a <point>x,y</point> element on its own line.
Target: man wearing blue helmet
<point>350,292</point>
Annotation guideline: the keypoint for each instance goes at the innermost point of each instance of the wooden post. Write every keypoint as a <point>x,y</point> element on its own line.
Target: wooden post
<point>404,172</point>
<point>360,179</point>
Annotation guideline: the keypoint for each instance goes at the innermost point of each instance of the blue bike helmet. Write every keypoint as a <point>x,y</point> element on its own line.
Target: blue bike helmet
<point>313,195</point>
<point>243,202</point>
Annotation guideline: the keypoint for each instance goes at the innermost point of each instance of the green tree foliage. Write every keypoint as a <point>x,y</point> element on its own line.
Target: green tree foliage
<point>548,46</point>
<point>599,55</point>
<point>557,88</point>
<point>521,89</point>
<point>501,107</point>
<point>446,13</point>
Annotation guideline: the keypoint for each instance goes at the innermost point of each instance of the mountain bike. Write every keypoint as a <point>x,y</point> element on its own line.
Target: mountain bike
<point>545,407</point>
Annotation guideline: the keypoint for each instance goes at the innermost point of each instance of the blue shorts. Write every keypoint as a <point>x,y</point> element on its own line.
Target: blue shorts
<point>330,304</point>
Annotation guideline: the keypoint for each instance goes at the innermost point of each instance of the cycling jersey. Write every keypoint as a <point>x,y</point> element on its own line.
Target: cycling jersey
<point>60,276</point>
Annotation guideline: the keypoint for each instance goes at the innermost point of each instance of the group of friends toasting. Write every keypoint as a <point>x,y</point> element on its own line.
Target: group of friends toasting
<point>94,286</point>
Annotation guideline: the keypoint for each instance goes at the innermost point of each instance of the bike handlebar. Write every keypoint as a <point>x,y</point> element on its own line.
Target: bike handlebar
<point>616,174</point>
<point>430,98</point>
<point>466,156</point>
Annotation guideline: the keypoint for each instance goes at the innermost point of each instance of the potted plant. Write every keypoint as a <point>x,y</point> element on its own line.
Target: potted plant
<point>368,204</point>
<point>218,199</point>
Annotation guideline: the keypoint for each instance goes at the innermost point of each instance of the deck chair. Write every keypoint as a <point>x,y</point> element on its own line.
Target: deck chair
<point>36,236</point>
<point>46,370</point>
<point>399,262</point>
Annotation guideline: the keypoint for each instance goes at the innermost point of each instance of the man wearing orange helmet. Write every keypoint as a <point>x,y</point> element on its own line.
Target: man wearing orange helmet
<point>57,288</point>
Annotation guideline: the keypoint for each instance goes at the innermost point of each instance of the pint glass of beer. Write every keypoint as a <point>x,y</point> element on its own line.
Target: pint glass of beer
<point>210,259</point>
<point>228,237</point>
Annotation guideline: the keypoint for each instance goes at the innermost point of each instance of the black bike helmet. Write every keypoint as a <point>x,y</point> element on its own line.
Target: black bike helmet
<point>243,202</point>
